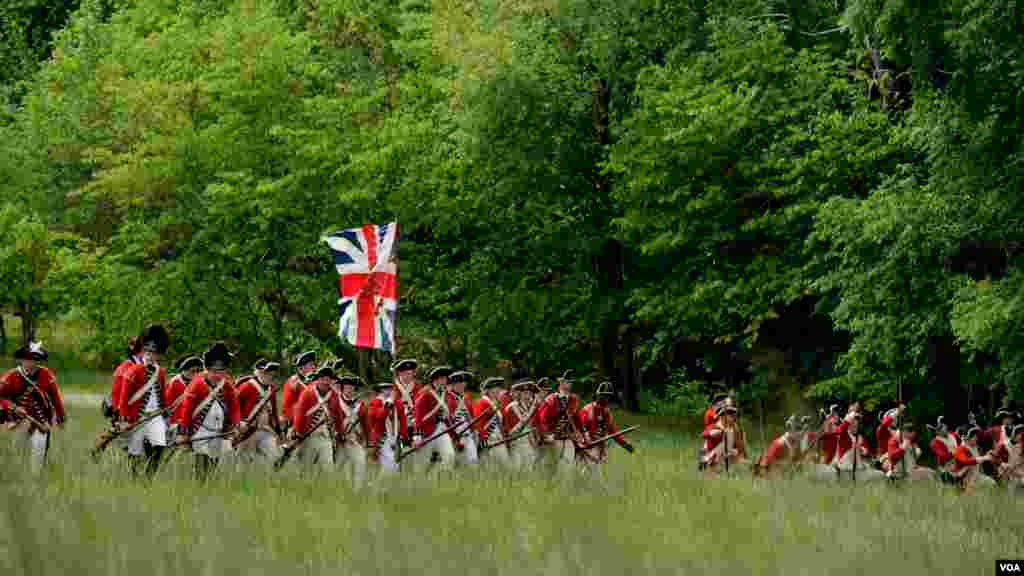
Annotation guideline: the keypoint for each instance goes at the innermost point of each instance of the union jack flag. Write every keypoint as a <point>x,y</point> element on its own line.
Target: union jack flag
<point>367,263</point>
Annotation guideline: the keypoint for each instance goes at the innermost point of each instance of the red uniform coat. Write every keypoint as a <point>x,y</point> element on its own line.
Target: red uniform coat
<point>452,399</point>
<point>596,421</point>
<point>779,452</point>
<point>828,440</point>
<point>249,396</point>
<point>844,442</point>
<point>134,379</point>
<point>963,458</point>
<point>944,450</point>
<point>710,416</point>
<point>894,451</point>
<point>118,381</point>
<point>884,432</point>
<point>14,391</point>
<point>711,441</point>
<point>405,411</point>
<point>196,394</point>
<point>509,416</point>
<point>425,405</point>
<point>175,388</point>
<point>1000,452</point>
<point>550,414</point>
<point>292,390</point>
<point>377,414</point>
<point>302,422</point>
<point>483,426</point>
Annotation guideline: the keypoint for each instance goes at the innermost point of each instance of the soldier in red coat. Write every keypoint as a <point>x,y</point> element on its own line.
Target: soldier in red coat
<point>827,437</point>
<point>723,441</point>
<point>144,395</point>
<point>1012,472</point>
<point>383,429</point>
<point>888,424</point>
<point>30,397</point>
<point>967,461</point>
<point>318,405</point>
<point>305,364</point>
<point>460,409</point>
<point>900,460</point>
<point>210,411</point>
<point>853,455</point>
<point>711,414</point>
<point>489,426</point>
<point>517,418</point>
<point>134,357</point>
<point>944,443</point>
<point>405,390</point>
<point>355,424</point>
<point>430,417</point>
<point>559,421</point>
<point>596,422</point>
<point>257,402</point>
<point>782,452</point>
<point>186,370</point>
<point>999,436</point>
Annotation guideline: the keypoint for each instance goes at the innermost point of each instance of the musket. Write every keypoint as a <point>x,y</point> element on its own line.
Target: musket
<point>602,439</point>
<point>437,435</point>
<point>249,427</point>
<point>108,437</point>
<point>290,448</point>
<point>42,427</point>
<point>508,440</point>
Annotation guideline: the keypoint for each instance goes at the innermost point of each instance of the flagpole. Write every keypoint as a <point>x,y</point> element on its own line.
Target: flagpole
<point>397,284</point>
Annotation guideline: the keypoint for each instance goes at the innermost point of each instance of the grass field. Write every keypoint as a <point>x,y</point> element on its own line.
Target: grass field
<point>653,515</point>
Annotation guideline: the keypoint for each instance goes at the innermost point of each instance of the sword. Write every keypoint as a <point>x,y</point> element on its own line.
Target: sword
<point>603,439</point>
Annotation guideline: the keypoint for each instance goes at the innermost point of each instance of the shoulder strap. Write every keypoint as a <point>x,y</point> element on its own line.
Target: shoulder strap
<point>149,384</point>
<point>209,397</point>
<point>320,402</point>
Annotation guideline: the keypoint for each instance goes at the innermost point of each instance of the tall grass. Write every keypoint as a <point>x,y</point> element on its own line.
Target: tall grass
<point>652,514</point>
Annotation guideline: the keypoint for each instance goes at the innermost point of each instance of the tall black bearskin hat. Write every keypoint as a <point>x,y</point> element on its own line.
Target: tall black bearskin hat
<point>155,339</point>
<point>217,356</point>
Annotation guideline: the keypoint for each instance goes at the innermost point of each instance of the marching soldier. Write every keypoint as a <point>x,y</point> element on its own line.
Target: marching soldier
<point>516,418</point>
<point>305,364</point>
<point>144,394</point>
<point>430,416</point>
<point>782,451</point>
<point>489,427</point>
<point>318,405</point>
<point>186,368</point>
<point>723,441</point>
<point>210,411</point>
<point>29,395</point>
<point>559,420</point>
<point>355,430</point>
<point>711,414</point>
<point>256,400</point>
<point>967,461</point>
<point>595,423</point>
<point>405,389</point>
<point>110,408</point>
<point>460,408</point>
<point>384,429</point>
<point>943,445</point>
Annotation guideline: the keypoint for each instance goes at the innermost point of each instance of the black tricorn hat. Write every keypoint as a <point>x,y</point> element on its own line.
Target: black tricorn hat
<point>350,380</point>
<point>494,382</point>
<point>1003,413</point>
<point>155,339</point>
<point>34,351</point>
<point>403,365</point>
<point>383,385</point>
<point>718,397</point>
<point>189,363</point>
<point>266,365</point>
<point>464,376</point>
<point>546,383</point>
<point>217,356</point>
<point>324,370</point>
<point>304,358</point>
<point>440,372</point>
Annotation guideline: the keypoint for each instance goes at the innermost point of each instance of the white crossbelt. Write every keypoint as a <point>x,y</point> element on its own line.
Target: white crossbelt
<point>142,391</point>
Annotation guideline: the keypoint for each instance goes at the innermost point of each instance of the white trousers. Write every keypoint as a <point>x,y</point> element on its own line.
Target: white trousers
<point>203,441</point>
<point>469,455</point>
<point>36,445</point>
<point>442,445</point>
<point>523,454</point>
<point>828,473</point>
<point>318,449</point>
<point>261,447</point>
<point>496,457</point>
<point>560,457</point>
<point>386,458</point>
<point>154,432</point>
<point>352,458</point>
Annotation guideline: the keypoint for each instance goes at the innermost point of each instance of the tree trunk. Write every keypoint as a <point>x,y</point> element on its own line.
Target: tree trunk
<point>630,387</point>
<point>3,335</point>
<point>28,323</point>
